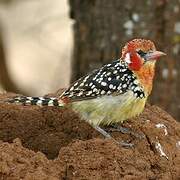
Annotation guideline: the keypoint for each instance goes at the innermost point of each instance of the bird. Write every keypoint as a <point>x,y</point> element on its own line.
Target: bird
<point>113,93</point>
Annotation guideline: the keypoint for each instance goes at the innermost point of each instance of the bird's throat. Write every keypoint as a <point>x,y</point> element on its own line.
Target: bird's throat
<point>146,75</point>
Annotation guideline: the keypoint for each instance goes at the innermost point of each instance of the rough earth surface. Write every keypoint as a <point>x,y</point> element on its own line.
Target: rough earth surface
<point>53,143</point>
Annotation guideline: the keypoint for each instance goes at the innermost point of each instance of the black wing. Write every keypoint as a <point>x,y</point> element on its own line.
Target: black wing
<point>113,78</point>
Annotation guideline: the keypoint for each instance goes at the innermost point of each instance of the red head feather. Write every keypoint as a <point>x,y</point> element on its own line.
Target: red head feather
<point>136,62</point>
<point>132,47</point>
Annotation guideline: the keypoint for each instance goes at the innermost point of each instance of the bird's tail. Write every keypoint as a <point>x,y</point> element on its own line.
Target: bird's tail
<point>38,101</point>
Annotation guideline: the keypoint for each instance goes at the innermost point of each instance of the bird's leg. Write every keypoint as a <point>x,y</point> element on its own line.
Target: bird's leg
<point>107,135</point>
<point>103,132</point>
<point>124,130</point>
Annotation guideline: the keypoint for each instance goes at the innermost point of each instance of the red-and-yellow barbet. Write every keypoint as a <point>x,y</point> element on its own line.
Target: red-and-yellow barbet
<point>113,93</point>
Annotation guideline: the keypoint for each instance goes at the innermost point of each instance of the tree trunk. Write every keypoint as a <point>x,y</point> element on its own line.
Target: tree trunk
<point>102,27</point>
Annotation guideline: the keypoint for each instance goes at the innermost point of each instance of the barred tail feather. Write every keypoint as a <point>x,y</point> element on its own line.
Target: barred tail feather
<point>39,101</point>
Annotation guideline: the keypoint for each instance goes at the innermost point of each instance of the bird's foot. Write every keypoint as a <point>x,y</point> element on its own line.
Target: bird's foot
<point>124,130</point>
<point>108,136</point>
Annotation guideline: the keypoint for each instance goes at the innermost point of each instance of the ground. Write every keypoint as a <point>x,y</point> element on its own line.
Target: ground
<point>54,143</point>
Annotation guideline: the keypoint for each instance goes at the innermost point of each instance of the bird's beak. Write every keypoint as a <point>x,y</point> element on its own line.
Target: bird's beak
<point>154,55</point>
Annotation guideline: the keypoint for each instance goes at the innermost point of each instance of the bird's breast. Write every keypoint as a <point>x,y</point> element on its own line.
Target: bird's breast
<point>110,109</point>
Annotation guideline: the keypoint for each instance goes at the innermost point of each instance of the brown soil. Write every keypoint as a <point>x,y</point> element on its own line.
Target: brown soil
<point>53,143</point>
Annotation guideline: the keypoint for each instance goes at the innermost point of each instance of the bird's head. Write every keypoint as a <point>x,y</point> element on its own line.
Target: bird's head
<point>139,52</point>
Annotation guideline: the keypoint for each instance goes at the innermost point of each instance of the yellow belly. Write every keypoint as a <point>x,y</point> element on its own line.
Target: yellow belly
<point>110,109</point>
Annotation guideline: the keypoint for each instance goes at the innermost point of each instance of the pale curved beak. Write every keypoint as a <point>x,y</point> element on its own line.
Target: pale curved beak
<point>154,55</point>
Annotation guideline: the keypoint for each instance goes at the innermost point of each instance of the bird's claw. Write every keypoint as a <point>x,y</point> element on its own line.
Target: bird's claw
<point>125,130</point>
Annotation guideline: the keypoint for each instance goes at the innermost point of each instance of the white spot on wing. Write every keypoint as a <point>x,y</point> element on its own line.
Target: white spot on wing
<point>137,89</point>
<point>119,87</point>
<point>115,72</point>
<point>89,93</point>
<point>30,98</point>
<point>124,85</point>
<point>103,92</point>
<point>28,102</point>
<point>104,84</point>
<point>109,92</point>
<point>80,94</point>
<point>117,77</point>
<point>109,78</point>
<point>110,86</point>
<point>39,102</point>
<point>41,98</point>
<point>50,103</point>
<point>72,88</point>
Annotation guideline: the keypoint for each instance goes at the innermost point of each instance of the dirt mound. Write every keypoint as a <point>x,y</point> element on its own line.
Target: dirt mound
<point>83,152</point>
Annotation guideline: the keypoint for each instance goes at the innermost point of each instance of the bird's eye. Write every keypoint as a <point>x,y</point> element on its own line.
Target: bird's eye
<point>141,53</point>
